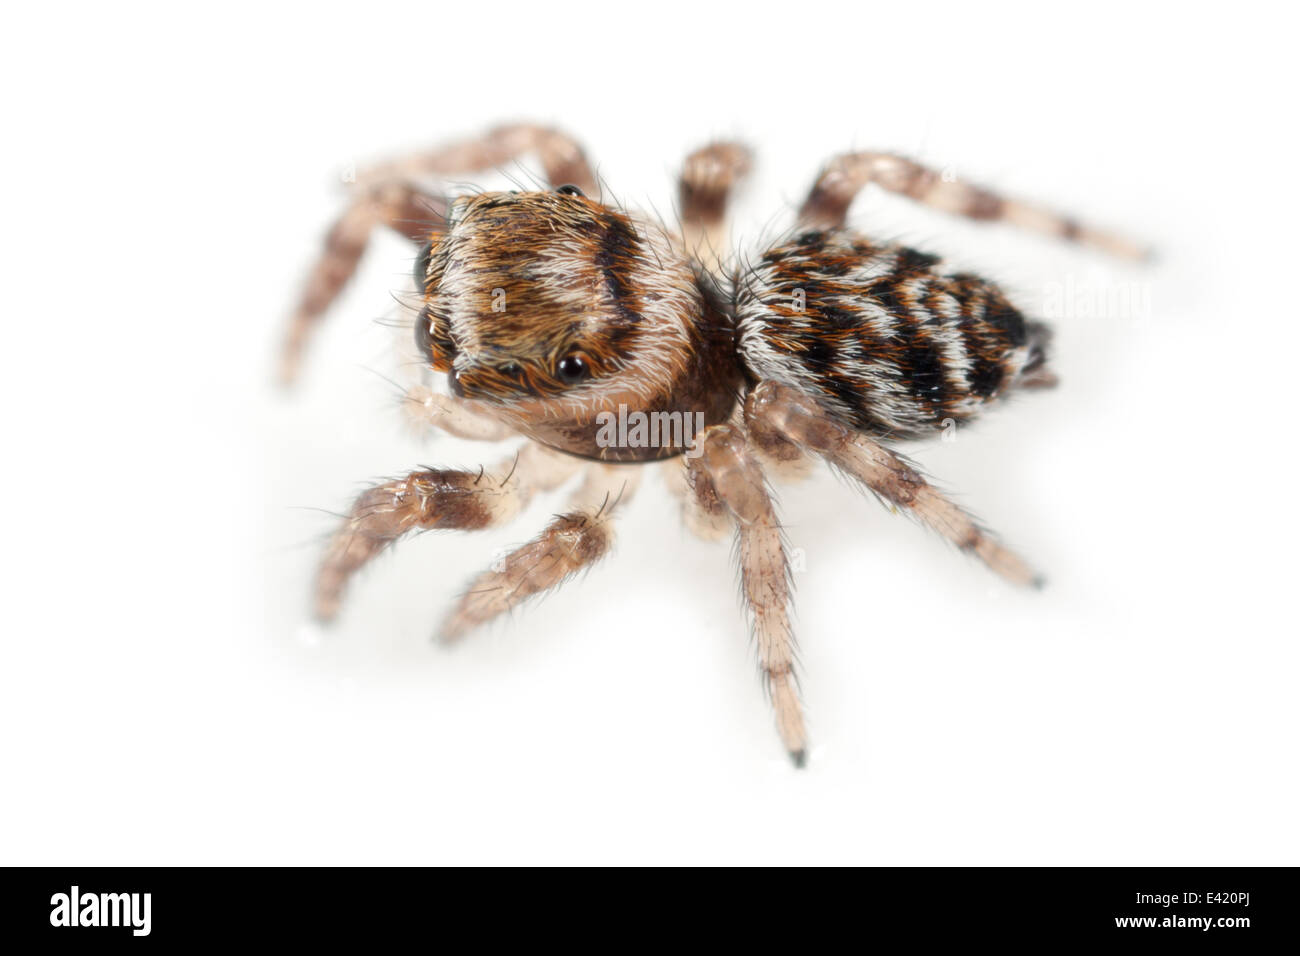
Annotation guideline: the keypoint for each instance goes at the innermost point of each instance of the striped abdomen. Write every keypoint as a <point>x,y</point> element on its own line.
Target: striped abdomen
<point>879,337</point>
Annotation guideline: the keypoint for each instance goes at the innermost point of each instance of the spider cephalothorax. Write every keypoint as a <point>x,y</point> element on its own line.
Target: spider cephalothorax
<point>552,312</point>
<point>553,308</point>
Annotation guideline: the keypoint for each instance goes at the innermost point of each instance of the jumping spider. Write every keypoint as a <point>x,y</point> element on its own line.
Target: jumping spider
<point>547,310</point>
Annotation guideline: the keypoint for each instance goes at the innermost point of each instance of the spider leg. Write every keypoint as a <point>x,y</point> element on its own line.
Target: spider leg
<point>841,180</point>
<point>562,158</point>
<point>572,541</point>
<point>778,414</point>
<point>387,195</point>
<point>725,472</point>
<point>426,408</point>
<point>703,514</point>
<point>706,180</point>
<point>401,206</point>
<point>432,499</point>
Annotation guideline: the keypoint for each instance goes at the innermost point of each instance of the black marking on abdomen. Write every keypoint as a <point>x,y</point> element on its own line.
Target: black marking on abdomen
<point>886,293</point>
<point>818,353</point>
<point>913,262</point>
<point>1008,320</point>
<point>986,377</point>
<point>886,342</point>
<point>923,370</point>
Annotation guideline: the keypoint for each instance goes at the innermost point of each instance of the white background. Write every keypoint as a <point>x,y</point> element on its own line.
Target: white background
<point>168,177</point>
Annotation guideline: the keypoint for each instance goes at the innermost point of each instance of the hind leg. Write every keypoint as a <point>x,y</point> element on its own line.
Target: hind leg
<point>777,414</point>
<point>845,176</point>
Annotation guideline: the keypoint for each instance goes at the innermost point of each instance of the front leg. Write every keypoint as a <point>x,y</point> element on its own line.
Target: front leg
<point>571,543</point>
<point>390,195</point>
<point>562,158</point>
<point>726,473</point>
<point>401,206</point>
<point>432,499</point>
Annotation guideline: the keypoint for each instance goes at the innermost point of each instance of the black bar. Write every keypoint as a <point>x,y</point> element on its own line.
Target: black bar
<point>1231,907</point>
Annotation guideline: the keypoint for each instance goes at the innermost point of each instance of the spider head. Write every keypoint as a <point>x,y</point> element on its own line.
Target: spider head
<point>553,304</point>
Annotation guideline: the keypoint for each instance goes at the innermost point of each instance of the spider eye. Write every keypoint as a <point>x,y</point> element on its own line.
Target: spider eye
<point>568,189</point>
<point>421,270</point>
<point>424,333</point>
<point>572,369</point>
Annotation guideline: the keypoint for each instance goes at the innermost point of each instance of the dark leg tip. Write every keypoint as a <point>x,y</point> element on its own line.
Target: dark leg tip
<point>799,758</point>
<point>1038,583</point>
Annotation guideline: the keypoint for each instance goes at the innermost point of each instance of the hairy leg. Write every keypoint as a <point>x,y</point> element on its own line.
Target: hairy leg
<point>573,541</point>
<point>401,206</point>
<point>706,518</point>
<point>387,195</point>
<point>727,473</point>
<point>777,414</point>
<point>703,514</point>
<point>432,499</point>
<point>841,180</point>
<point>706,181</point>
<point>562,158</point>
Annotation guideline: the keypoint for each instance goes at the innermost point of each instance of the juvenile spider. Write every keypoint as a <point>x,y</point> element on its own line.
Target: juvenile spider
<point>553,314</point>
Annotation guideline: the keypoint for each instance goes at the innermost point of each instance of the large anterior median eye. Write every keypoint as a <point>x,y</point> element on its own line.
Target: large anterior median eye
<point>421,270</point>
<point>568,189</point>
<point>572,369</point>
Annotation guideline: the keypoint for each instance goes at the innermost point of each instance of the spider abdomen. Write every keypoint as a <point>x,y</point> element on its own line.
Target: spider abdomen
<point>881,337</point>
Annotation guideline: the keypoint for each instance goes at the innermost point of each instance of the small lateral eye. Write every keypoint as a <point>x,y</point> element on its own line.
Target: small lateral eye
<point>572,369</point>
<point>421,270</point>
<point>568,189</point>
<point>424,333</point>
